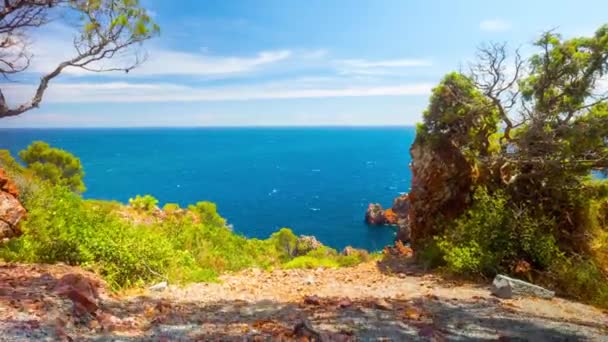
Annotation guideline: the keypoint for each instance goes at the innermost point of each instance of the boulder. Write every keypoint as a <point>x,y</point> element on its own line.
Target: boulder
<point>390,216</point>
<point>305,244</point>
<point>11,210</point>
<point>82,291</point>
<point>506,287</point>
<point>375,214</point>
<point>442,180</point>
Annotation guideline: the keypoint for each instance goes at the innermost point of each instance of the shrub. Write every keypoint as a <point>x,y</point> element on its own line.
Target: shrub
<point>61,228</point>
<point>492,236</point>
<point>145,203</point>
<point>171,208</point>
<point>284,241</point>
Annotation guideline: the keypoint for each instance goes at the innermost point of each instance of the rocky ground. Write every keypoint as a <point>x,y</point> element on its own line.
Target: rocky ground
<point>372,301</point>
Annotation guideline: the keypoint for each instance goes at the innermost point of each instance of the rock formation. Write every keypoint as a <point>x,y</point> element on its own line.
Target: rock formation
<point>441,186</point>
<point>375,214</point>
<point>305,244</point>
<point>11,210</point>
<point>442,179</point>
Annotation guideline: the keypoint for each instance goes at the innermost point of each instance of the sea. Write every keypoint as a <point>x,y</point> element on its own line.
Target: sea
<point>317,181</point>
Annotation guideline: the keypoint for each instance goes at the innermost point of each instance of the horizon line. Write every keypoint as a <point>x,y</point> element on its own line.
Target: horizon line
<point>213,126</point>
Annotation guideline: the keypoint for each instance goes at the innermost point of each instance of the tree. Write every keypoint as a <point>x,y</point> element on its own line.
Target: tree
<point>108,29</point>
<point>54,165</point>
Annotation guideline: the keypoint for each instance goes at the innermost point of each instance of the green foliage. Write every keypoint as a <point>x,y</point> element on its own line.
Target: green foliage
<point>54,165</point>
<point>306,261</point>
<point>284,241</point>
<point>61,228</point>
<point>579,278</point>
<point>459,113</point>
<point>145,203</point>
<point>531,201</point>
<point>492,236</point>
<point>207,212</point>
<point>171,208</point>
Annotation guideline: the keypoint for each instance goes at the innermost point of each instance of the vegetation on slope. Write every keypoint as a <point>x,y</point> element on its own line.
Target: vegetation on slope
<point>531,135</point>
<point>137,244</point>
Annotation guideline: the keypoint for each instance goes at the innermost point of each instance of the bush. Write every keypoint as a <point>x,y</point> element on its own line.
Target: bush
<point>146,203</point>
<point>171,208</point>
<point>492,236</point>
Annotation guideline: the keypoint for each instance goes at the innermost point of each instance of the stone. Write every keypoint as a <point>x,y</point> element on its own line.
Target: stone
<point>506,287</point>
<point>162,286</point>
<point>375,214</point>
<point>305,244</point>
<point>312,300</point>
<point>81,291</point>
<point>310,280</point>
<point>11,210</point>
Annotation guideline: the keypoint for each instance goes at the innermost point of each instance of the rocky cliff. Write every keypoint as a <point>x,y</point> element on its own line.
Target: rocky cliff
<point>440,190</point>
<point>11,210</point>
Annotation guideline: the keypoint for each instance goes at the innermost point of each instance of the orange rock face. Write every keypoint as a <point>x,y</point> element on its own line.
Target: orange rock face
<point>390,216</point>
<point>11,210</point>
<point>441,185</point>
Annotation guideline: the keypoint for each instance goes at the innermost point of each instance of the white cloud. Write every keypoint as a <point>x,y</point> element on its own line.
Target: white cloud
<point>495,25</point>
<point>378,67</point>
<point>124,92</point>
<point>54,46</point>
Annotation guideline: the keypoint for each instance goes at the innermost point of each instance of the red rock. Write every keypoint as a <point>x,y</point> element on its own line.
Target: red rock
<point>81,291</point>
<point>11,210</point>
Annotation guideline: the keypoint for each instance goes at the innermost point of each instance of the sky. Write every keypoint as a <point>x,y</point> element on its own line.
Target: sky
<point>287,63</point>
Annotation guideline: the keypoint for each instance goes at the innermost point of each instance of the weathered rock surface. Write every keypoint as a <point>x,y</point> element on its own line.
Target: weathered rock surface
<point>506,287</point>
<point>305,244</point>
<point>441,185</point>
<point>11,210</point>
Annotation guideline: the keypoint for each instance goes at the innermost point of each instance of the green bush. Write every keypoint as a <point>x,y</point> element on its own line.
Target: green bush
<point>492,236</point>
<point>145,203</point>
<point>171,208</point>
<point>61,228</point>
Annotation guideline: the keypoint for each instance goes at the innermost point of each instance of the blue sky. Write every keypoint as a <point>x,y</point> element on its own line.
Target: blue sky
<point>266,63</point>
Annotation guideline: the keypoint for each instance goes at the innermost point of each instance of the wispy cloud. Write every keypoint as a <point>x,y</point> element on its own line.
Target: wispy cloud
<point>54,46</point>
<point>495,25</point>
<point>378,67</point>
<point>123,92</point>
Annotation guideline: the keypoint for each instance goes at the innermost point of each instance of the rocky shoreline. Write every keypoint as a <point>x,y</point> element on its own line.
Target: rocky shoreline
<point>396,215</point>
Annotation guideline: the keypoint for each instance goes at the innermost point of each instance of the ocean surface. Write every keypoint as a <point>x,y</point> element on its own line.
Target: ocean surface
<point>317,181</point>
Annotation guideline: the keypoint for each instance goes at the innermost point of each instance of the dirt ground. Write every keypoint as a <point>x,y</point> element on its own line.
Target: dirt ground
<point>372,301</point>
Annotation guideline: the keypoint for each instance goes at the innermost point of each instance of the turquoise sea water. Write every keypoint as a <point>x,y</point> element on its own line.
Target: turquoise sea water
<point>317,181</point>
